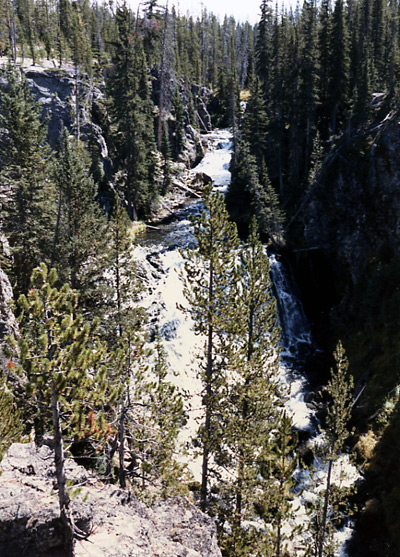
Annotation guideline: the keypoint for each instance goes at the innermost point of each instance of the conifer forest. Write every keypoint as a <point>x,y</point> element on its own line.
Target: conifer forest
<point>200,273</point>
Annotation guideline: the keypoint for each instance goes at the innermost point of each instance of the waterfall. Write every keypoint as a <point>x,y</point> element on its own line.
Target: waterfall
<point>296,332</point>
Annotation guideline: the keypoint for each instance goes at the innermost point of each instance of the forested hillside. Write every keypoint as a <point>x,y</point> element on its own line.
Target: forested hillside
<point>103,112</point>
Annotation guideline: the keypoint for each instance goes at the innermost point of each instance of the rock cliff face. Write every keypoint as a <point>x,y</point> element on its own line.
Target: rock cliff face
<point>350,269</point>
<point>115,523</point>
<point>353,211</point>
<point>59,93</point>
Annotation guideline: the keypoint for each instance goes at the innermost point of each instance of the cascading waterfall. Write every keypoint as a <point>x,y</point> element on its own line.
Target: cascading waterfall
<point>159,261</point>
<point>296,333</point>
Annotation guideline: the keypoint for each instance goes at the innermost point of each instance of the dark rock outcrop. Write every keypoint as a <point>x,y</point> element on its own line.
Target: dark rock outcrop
<point>353,209</point>
<point>114,521</point>
<point>202,96</point>
<point>195,147</point>
<point>56,91</point>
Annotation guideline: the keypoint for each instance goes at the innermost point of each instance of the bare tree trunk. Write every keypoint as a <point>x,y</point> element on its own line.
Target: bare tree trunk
<point>121,432</point>
<point>118,278</point>
<point>322,533</point>
<point>63,497</point>
<point>12,32</point>
<point>110,455</point>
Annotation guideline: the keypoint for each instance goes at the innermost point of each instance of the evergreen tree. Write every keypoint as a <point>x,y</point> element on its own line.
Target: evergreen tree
<point>251,196</point>
<point>284,464</point>
<point>126,369</point>
<point>10,421</point>
<point>166,157</point>
<point>208,270</point>
<point>178,110</point>
<point>263,46</point>
<point>162,101</point>
<point>255,123</point>
<point>307,83</point>
<point>378,32</point>
<point>80,238</point>
<point>59,355</point>
<point>80,40</point>
<point>252,406</point>
<point>363,67</point>
<point>335,433</point>
<point>125,286</point>
<point>324,35</point>
<point>158,420</point>
<point>275,149</point>
<point>228,101</point>
<point>133,123</point>
<point>391,55</point>
<point>149,415</point>
<point>337,98</point>
<point>24,169</point>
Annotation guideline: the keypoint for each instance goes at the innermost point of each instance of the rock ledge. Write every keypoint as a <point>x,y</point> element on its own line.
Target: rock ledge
<point>118,523</point>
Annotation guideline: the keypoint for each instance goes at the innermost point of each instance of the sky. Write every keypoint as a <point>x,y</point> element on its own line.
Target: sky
<point>241,10</point>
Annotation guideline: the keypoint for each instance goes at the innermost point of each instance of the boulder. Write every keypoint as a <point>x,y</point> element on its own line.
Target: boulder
<point>195,146</point>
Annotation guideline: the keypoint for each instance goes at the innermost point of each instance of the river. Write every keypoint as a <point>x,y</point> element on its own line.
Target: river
<point>159,260</point>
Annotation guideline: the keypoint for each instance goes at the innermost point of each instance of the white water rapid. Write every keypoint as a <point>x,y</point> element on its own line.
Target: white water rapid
<point>158,258</point>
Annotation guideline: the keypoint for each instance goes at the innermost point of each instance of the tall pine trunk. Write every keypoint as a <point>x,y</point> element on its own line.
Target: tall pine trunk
<point>208,400</point>
<point>162,82</point>
<point>59,458</point>
<point>121,433</point>
<point>322,533</point>
<point>63,497</point>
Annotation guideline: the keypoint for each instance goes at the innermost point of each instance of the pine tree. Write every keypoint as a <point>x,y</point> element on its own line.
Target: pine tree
<point>284,465</point>
<point>126,369</point>
<point>207,278</point>
<point>125,286</point>
<point>337,98</point>
<point>362,65</point>
<point>324,34</point>
<point>251,196</point>
<point>166,157</point>
<point>255,123</point>
<point>157,421</point>
<point>133,123</point>
<point>178,110</point>
<point>335,433</point>
<point>378,36</point>
<point>391,55</point>
<point>59,354</point>
<point>24,169</point>
<point>163,86</point>
<point>80,237</point>
<point>252,405</point>
<point>275,148</point>
<point>10,420</point>
<point>228,101</point>
<point>263,46</point>
<point>307,82</point>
